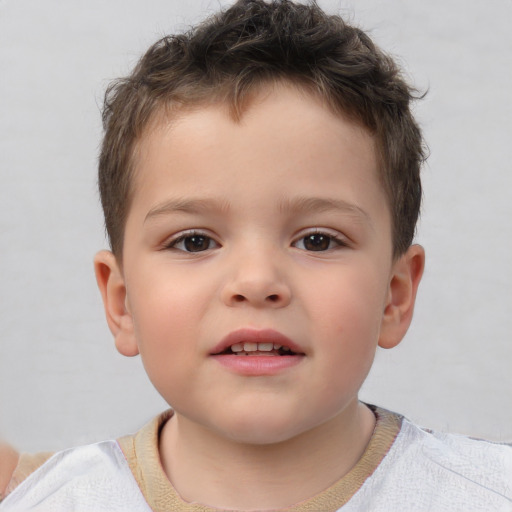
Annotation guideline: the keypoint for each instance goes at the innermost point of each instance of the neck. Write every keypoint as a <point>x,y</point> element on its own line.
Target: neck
<point>219,472</point>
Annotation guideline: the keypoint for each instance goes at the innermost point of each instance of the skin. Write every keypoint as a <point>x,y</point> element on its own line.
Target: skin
<point>9,459</point>
<point>260,192</point>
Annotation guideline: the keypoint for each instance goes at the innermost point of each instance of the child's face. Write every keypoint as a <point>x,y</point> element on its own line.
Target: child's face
<point>277,223</point>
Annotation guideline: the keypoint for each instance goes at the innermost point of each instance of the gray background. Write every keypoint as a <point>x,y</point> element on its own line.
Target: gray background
<point>61,380</point>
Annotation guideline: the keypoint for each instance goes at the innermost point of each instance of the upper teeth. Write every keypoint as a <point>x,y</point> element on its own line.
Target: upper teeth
<point>253,347</point>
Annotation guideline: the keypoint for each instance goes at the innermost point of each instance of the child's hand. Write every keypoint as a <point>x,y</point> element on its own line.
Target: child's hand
<point>8,461</point>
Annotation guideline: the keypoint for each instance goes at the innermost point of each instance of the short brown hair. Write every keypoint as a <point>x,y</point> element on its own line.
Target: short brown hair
<point>252,43</point>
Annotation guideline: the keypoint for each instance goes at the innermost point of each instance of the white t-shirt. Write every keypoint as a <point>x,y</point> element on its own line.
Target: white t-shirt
<point>404,468</point>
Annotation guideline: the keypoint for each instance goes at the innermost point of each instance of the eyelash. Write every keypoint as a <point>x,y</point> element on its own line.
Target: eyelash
<point>339,241</point>
<point>329,237</point>
<point>172,244</point>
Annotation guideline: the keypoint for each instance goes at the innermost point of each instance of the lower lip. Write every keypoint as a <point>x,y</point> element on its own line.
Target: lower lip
<point>258,365</point>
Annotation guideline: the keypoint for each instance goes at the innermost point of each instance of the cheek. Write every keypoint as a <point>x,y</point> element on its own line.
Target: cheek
<point>351,305</point>
<point>168,300</point>
<point>349,313</point>
<point>166,316</point>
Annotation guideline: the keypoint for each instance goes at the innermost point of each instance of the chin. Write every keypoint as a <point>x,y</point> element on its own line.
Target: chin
<point>261,429</point>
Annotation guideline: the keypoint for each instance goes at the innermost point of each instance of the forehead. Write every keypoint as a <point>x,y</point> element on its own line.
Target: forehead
<point>294,111</point>
<point>269,99</point>
<point>284,134</point>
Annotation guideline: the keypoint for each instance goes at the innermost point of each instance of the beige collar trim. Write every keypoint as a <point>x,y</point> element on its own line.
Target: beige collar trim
<point>141,452</point>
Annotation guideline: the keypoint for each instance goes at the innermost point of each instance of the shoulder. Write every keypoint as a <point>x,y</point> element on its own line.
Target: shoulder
<point>443,472</point>
<point>94,476</point>
<point>484,463</point>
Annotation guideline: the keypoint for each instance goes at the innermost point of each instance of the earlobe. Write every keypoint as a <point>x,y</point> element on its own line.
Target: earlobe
<point>113,292</point>
<point>403,286</point>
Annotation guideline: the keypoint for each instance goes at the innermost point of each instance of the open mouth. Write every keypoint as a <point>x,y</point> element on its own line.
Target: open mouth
<point>258,349</point>
<point>257,342</point>
<point>257,352</point>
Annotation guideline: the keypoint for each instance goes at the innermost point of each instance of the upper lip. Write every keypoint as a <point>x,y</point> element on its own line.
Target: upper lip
<point>255,336</point>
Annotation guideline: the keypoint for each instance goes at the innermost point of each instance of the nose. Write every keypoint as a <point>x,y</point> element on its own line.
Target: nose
<point>258,280</point>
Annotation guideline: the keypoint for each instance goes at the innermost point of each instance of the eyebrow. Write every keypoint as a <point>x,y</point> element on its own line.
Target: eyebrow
<point>297,205</point>
<point>321,204</point>
<point>185,205</point>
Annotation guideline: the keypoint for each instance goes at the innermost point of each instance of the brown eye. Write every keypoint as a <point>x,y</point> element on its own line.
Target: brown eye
<point>317,242</point>
<point>197,243</point>
<point>193,243</point>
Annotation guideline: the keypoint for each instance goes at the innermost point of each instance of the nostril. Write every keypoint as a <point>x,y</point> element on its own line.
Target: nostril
<point>256,296</point>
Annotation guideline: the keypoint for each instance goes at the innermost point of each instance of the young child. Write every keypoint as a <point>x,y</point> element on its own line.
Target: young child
<point>259,177</point>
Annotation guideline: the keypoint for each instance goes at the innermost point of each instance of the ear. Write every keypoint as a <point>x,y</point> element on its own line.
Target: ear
<point>405,279</point>
<point>111,283</point>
